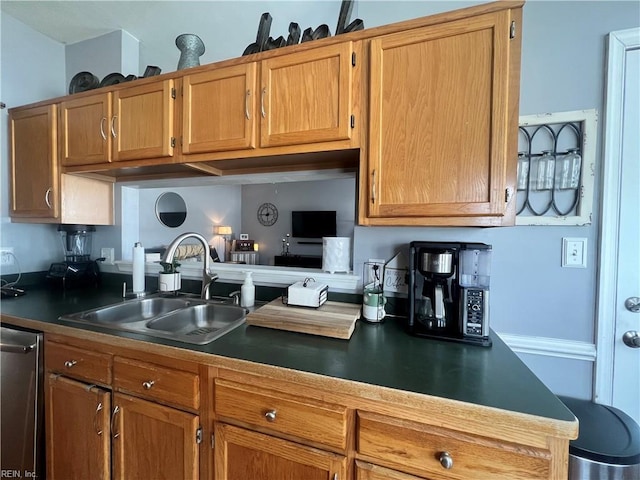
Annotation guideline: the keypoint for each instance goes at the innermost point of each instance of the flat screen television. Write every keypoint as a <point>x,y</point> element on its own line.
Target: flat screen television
<point>313,224</point>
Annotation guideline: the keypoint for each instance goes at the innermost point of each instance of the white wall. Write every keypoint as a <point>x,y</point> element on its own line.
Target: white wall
<point>31,69</point>
<point>115,52</point>
<point>338,195</point>
<point>206,207</point>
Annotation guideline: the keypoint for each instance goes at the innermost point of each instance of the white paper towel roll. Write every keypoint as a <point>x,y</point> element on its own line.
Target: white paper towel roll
<point>336,254</point>
<point>138,268</point>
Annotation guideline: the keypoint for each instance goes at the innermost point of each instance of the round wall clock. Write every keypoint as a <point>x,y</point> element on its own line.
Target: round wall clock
<point>267,214</point>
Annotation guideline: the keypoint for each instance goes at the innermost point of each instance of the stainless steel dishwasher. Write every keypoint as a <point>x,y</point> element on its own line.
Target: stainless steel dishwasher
<point>21,401</point>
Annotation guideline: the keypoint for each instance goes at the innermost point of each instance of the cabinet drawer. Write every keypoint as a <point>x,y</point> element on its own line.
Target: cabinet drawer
<point>367,471</point>
<point>300,417</point>
<point>175,387</point>
<point>424,450</point>
<point>78,363</point>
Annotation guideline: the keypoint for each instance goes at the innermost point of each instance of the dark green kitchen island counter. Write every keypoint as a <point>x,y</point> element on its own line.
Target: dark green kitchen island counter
<point>381,355</point>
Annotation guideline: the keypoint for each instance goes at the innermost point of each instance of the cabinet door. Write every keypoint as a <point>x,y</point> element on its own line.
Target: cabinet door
<point>77,430</point>
<point>153,441</point>
<point>242,454</point>
<point>85,130</point>
<point>441,130</point>
<point>34,163</point>
<point>305,97</point>
<point>219,110</point>
<point>142,123</point>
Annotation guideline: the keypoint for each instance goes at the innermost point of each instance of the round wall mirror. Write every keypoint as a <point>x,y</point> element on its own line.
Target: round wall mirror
<point>171,209</point>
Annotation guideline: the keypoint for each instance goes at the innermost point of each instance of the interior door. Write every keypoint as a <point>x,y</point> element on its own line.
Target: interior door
<point>618,362</point>
<point>626,373</point>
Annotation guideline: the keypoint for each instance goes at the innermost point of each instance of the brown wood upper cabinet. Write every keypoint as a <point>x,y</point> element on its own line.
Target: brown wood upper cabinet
<point>219,110</point>
<point>34,163</point>
<point>287,100</point>
<point>443,123</point>
<point>305,97</point>
<point>39,193</point>
<point>132,123</point>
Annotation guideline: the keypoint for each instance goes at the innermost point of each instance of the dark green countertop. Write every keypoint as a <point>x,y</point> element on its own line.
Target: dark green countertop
<point>383,355</point>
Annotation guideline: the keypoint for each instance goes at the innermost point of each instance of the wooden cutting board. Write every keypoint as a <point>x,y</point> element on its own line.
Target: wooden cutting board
<point>333,319</point>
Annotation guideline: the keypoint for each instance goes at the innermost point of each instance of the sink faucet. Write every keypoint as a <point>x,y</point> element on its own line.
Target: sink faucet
<point>207,277</point>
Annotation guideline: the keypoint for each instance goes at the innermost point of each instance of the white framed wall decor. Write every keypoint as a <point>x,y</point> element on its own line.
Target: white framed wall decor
<point>556,168</point>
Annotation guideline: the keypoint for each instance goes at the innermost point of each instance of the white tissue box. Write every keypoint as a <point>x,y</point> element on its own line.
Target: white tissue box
<point>314,294</point>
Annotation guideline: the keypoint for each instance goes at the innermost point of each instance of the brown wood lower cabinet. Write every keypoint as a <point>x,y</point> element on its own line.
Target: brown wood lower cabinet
<point>99,432</point>
<point>77,430</point>
<point>151,441</point>
<point>243,454</point>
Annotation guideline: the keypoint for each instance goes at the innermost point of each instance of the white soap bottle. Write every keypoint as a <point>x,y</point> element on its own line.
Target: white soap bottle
<point>247,291</point>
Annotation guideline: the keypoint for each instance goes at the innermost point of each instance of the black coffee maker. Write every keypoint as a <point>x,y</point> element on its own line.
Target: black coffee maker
<point>77,269</point>
<point>449,291</point>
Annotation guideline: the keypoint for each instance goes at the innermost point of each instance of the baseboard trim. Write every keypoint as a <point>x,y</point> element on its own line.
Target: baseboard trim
<point>550,347</point>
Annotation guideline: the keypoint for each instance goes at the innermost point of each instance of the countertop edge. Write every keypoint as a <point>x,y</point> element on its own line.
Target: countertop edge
<point>496,421</point>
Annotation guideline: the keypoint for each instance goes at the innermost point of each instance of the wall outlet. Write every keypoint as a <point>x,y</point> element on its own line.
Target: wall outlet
<point>108,253</point>
<point>373,270</point>
<point>6,256</point>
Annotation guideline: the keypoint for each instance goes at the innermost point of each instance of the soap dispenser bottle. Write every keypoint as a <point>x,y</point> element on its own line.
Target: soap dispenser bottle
<point>247,291</point>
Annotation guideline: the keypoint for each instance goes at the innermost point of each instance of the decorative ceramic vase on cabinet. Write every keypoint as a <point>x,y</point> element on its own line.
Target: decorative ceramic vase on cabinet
<point>191,48</point>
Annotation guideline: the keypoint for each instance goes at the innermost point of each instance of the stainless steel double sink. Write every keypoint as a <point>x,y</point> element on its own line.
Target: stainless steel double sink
<point>189,320</point>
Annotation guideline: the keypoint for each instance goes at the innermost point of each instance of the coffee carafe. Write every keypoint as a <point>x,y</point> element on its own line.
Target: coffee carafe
<point>449,291</point>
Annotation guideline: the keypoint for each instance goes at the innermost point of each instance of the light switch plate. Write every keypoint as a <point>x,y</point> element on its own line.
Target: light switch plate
<point>574,252</point>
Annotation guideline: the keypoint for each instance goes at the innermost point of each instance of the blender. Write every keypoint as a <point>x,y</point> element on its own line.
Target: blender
<point>77,269</point>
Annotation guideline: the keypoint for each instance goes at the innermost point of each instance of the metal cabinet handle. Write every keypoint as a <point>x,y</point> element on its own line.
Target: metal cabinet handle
<point>446,460</point>
<point>246,105</point>
<point>113,126</point>
<point>70,363</point>
<point>264,91</point>
<point>13,348</point>
<point>104,119</point>
<point>113,418</point>
<point>95,419</point>
<point>147,385</point>
<point>47,200</point>
<point>335,476</point>
<point>373,187</point>
<point>270,416</point>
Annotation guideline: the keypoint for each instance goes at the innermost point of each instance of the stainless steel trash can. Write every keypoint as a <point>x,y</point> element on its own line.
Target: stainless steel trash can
<point>608,445</point>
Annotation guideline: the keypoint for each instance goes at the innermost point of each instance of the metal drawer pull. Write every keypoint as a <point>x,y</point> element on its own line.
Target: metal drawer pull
<point>270,416</point>
<point>47,200</point>
<point>335,476</point>
<point>104,119</point>
<point>148,385</point>
<point>70,363</point>
<point>113,126</point>
<point>113,418</point>
<point>446,460</point>
<point>95,419</point>
<point>264,114</point>
<point>246,105</point>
